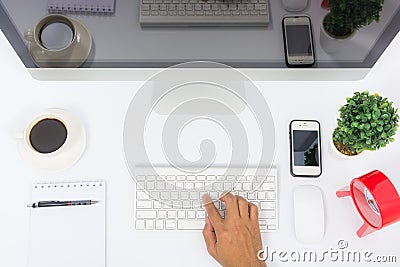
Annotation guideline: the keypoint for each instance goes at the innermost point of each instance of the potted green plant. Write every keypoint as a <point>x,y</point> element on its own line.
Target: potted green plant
<point>367,122</point>
<point>344,18</point>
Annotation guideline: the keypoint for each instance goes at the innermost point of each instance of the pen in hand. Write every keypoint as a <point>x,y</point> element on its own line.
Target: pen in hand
<point>42,204</point>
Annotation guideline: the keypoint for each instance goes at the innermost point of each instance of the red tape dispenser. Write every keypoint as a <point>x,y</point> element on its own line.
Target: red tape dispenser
<point>376,199</point>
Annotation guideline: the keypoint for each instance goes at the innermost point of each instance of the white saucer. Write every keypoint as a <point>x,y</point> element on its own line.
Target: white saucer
<point>67,155</point>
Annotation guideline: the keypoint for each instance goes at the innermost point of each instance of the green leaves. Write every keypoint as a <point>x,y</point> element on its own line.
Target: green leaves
<point>347,16</point>
<point>367,122</point>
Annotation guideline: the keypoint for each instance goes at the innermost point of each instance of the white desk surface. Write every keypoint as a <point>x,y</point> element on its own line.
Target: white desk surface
<point>102,106</point>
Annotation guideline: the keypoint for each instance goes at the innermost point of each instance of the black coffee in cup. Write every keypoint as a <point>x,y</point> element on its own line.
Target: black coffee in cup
<point>48,135</point>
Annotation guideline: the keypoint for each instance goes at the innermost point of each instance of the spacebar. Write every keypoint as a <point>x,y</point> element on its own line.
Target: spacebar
<point>190,224</point>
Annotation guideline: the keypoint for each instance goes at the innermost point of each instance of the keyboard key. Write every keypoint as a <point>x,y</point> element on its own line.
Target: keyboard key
<point>191,178</point>
<point>218,186</point>
<point>181,214</point>
<point>189,185</point>
<point>156,195</point>
<point>194,195</point>
<point>260,6</point>
<point>159,224</point>
<point>170,224</point>
<point>191,214</point>
<point>246,186</point>
<point>171,177</point>
<point>201,178</point>
<point>150,186</point>
<point>142,177</point>
<point>171,214</point>
<point>198,7</point>
<point>179,185</point>
<point>196,204</point>
<point>184,195</point>
<point>177,204</point>
<point>143,204</point>
<point>175,195</point>
<point>169,186</point>
<point>270,178</point>
<point>231,177</point>
<point>162,214</point>
<point>237,186</point>
<point>149,225</point>
<point>250,177</point>
<point>186,204</point>
<point>146,214</point>
<point>261,195</point>
<point>141,195</point>
<point>268,186</point>
<point>251,196</point>
<point>164,195</point>
<point>271,195</point>
<point>201,214</point>
<point>190,225</point>
<point>142,184</point>
<point>140,224</point>
<point>268,205</point>
<point>157,205</point>
<point>160,186</point>
<point>210,177</point>
<point>198,185</point>
<point>266,214</point>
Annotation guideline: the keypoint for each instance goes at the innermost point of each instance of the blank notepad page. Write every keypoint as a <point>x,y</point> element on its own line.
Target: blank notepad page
<point>69,236</point>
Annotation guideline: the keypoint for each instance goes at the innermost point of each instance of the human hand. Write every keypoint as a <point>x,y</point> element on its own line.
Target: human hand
<point>235,240</point>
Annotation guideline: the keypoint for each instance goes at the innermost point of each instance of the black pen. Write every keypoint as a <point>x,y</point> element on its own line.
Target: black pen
<point>42,204</point>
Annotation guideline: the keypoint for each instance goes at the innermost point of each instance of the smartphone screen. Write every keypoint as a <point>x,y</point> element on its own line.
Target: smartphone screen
<point>305,148</point>
<point>298,40</point>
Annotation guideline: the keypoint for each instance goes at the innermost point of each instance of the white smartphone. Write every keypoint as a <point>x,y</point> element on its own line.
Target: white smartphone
<point>305,148</point>
<point>298,41</point>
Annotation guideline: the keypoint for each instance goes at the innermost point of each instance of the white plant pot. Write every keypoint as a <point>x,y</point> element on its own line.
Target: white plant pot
<point>331,44</point>
<point>339,153</point>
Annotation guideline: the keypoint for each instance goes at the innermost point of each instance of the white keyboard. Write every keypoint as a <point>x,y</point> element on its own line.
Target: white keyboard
<point>159,13</point>
<point>172,201</point>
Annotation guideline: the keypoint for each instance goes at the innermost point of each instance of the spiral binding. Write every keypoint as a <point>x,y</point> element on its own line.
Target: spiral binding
<point>81,6</point>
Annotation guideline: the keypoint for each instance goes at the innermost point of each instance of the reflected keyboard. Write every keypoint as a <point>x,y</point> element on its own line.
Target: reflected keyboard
<point>164,13</point>
<point>172,201</point>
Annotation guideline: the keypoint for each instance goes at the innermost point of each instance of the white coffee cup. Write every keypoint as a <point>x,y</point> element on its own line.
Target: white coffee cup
<point>66,29</point>
<point>58,154</point>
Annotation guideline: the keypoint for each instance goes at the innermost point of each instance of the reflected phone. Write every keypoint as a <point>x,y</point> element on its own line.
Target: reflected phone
<point>298,41</point>
<point>305,148</point>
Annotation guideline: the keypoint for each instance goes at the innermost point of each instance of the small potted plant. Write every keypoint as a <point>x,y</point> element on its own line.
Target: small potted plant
<point>344,18</point>
<point>367,122</point>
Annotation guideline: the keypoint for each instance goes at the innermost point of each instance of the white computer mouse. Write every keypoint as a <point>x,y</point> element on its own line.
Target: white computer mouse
<point>294,5</point>
<point>309,216</point>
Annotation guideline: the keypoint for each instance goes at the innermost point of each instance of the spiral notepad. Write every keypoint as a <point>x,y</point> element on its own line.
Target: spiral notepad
<point>69,235</point>
<point>81,6</point>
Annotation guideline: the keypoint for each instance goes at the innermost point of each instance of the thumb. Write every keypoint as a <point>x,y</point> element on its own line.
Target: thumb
<point>210,238</point>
